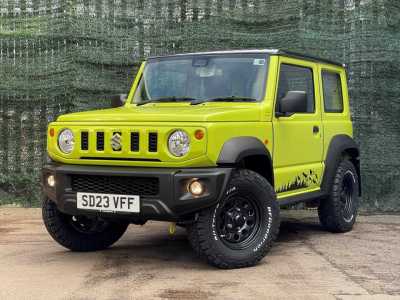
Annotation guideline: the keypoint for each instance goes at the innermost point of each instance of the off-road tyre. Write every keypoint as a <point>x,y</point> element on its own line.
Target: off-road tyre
<point>338,212</point>
<point>63,230</point>
<point>205,233</point>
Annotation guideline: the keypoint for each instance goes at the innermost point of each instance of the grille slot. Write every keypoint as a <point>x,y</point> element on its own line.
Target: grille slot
<point>100,141</point>
<point>153,142</point>
<point>85,140</point>
<point>134,141</point>
<point>122,185</point>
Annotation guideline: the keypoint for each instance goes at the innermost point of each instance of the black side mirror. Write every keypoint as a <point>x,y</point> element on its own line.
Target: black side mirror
<point>118,100</point>
<point>293,102</point>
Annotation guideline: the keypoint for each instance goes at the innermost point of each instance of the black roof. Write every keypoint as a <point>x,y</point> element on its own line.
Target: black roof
<point>309,57</point>
<point>266,51</point>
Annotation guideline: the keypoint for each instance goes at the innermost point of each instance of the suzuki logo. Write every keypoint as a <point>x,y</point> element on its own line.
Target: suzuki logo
<point>116,141</point>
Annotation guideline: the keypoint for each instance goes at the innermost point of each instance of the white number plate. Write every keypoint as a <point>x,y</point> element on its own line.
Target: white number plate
<point>108,202</point>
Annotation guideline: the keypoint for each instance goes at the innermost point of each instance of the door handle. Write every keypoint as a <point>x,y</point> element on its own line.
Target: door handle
<point>315,129</point>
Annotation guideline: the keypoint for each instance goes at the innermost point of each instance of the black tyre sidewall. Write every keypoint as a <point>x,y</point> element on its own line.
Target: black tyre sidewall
<point>349,168</point>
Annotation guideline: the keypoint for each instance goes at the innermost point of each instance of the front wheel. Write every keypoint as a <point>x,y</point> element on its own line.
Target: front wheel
<point>239,230</point>
<point>80,233</point>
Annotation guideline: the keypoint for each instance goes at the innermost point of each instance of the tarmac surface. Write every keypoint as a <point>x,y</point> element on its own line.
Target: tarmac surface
<point>147,263</point>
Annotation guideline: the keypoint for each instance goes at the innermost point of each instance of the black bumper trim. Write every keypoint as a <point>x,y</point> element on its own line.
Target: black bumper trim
<point>172,203</point>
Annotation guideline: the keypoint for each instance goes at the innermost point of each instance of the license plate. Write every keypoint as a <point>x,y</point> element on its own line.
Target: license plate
<point>108,202</point>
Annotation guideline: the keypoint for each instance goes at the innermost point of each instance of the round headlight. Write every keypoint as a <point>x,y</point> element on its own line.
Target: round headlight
<point>178,143</point>
<point>66,141</point>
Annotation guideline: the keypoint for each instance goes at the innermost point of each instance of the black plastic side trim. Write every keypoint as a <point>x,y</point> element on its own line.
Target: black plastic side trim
<point>337,146</point>
<point>306,197</point>
<point>235,149</point>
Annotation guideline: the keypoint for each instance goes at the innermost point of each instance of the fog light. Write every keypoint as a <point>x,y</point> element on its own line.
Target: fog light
<point>196,188</point>
<point>51,181</point>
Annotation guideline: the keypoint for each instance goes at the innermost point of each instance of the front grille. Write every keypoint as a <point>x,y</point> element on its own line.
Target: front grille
<point>122,185</point>
<point>153,142</point>
<point>85,140</point>
<point>129,141</point>
<point>100,141</point>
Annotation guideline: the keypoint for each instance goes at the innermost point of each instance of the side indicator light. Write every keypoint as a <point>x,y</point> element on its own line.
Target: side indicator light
<point>199,134</point>
<point>51,132</point>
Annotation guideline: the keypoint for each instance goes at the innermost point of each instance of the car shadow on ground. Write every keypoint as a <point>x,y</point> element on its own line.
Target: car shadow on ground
<point>153,246</point>
<point>292,230</point>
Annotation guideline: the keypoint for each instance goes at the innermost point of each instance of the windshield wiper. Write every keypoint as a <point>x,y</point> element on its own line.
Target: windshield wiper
<point>167,99</point>
<point>225,99</point>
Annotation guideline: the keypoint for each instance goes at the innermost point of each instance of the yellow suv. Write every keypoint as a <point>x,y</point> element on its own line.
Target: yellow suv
<point>216,142</point>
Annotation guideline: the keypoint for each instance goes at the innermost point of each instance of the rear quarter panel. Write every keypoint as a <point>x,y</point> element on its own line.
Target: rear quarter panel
<point>335,123</point>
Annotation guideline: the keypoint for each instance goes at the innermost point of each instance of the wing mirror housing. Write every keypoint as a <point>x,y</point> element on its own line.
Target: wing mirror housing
<point>118,100</point>
<point>293,102</point>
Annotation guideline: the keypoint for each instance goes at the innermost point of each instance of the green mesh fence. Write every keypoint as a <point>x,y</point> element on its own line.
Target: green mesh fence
<point>62,56</point>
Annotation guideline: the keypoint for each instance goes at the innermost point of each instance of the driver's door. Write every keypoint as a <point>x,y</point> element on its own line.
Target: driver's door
<point>298,142</point>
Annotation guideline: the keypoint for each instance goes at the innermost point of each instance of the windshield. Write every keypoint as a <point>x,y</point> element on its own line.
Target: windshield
<point>227,77</point>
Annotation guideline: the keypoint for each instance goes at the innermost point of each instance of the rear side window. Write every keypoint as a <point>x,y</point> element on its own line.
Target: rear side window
<point>296,78</point>
<point>333,95</point>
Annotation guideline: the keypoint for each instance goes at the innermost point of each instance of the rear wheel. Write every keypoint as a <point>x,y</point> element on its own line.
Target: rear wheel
<point>338,212</point>
<point>240,229</point>
<point>80,233</point>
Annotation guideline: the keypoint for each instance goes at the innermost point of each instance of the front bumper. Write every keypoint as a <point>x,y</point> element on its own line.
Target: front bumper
<point>171,202</point>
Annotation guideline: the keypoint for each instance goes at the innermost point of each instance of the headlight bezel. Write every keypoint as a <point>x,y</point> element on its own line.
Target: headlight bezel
<point>66,148</point>
<point>180,150</point>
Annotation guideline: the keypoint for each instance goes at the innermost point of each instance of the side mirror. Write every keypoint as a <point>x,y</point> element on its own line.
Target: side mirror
<point>118,100</point>
<point>293,102</point>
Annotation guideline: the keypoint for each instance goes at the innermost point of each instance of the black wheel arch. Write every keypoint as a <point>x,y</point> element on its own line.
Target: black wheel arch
<point>247,152</point>
<point>340,146</point>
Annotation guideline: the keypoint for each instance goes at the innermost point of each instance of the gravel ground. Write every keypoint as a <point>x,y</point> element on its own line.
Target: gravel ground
<point>147,263</point>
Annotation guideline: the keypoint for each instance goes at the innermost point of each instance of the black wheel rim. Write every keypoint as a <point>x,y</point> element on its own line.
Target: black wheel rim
<point>347,196</point>
<point>86,225</point>
<point>238,221</point>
